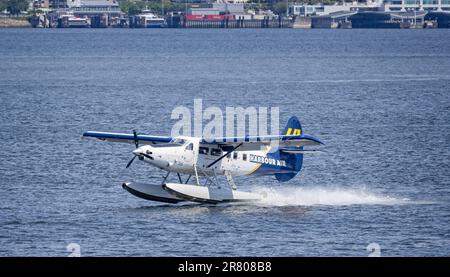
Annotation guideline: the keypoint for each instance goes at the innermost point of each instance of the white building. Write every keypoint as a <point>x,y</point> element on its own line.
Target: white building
<point>320,9</point>
<point>420,5</point>
<point>381,5</point>
<point>219,8</point>
<point>100,5</point>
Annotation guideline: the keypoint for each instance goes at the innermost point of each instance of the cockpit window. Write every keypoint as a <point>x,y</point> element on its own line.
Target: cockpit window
<point>190,146</point>
<point>178,141</point>
<point>172,143</point>
<point>203,150</point>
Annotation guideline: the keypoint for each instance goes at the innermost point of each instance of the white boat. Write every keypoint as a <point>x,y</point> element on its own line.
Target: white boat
<point>150,20</point>
<point>72,21</point>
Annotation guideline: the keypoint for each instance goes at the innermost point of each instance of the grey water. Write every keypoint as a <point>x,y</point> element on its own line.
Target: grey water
<point>379,99</point>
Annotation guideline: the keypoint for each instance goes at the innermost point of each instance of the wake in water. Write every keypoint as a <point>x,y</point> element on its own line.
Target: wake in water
<point>311,196</point>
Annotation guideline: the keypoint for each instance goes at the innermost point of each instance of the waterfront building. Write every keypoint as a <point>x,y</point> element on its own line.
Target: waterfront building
<point>321,9</point>
<point>211,1</point>
<point>375,5</point>
<point>58,4</point>
<point>194,1</point>
<point>88,7</point>
<point>41,4</point>
<point>217,9</point>
<point>84,13</point>
<point>418,5</point>
<point>203,11</point>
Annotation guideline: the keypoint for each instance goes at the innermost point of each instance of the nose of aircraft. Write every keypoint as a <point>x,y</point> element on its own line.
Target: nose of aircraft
<point>142,152</point>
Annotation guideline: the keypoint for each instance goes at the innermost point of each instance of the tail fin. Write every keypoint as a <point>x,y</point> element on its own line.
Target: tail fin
<point>293,127</point>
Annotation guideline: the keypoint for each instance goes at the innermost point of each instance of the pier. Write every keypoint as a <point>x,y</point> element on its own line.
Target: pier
<point>237,23</point>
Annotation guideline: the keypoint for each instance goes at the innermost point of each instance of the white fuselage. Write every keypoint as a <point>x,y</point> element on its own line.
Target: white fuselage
<point>187,155</point>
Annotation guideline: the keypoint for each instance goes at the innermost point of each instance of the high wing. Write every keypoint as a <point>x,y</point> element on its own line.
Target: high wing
<point>127,138</point>
<point>284,142</point>
<point>291,142</point>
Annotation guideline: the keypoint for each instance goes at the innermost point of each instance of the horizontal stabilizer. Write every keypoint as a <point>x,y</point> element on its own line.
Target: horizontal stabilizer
<point>301,151</point>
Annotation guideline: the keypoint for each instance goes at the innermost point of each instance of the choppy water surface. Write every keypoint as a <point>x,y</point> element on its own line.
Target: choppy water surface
<point>379,99</point>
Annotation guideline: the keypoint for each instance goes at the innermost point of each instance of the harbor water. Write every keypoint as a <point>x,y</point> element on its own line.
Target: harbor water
<point>379,99</point>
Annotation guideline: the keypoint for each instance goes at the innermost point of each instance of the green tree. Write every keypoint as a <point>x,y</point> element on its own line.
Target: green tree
<point>169,6</point>
<point>280,7</point>
<point>131,7</point>
<point>2,5</point>
<point>14,7</point>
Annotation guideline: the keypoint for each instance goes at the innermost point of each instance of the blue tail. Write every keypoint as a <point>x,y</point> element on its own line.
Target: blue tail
<point>293,127</point>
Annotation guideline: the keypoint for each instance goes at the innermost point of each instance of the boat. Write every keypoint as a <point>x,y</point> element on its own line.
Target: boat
<point>148,19</point>
<point>71,21</point>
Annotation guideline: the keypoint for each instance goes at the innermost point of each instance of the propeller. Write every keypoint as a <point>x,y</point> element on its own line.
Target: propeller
<point>136,143</point>
<point>131,161</point>
<point>140,155</point>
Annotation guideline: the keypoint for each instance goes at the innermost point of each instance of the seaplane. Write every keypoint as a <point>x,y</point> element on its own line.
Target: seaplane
<point>208,159</point>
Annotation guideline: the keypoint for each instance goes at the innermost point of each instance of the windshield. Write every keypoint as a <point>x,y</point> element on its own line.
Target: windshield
<point>178,141</point>
<point>172,143</point>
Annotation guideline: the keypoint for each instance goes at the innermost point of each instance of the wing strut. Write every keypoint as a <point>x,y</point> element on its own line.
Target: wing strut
<point>230,180</point>
<point>224,155</point>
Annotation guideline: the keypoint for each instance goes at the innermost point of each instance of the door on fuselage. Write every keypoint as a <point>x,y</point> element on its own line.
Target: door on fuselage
<point>235,161</point>
<point>207,155</point>
<point>190,153</point>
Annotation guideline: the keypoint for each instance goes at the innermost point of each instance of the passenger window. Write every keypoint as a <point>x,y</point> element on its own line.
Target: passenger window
<point>244,157</point>
<point>229,155</point>
<point>203,150</point>
<point>235,155</point>
<point>190,146</point>
<point>216,152</point>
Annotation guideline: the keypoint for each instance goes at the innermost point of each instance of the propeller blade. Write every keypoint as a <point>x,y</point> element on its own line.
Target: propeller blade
<point>136,142</point>
<point>130,162</point>
<point>224,155</point>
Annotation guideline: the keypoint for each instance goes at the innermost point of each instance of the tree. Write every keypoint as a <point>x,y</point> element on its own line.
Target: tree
<point>132,7</point>
<point>14,7</point>
<point>280,7</point>
<point>2,5</point>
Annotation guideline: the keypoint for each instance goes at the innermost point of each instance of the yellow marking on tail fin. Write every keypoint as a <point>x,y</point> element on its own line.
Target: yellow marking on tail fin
<point>297,132</point>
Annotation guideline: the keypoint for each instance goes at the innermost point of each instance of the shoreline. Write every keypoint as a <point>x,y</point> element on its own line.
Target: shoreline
<point>20,22</point>
<point>23,22</point>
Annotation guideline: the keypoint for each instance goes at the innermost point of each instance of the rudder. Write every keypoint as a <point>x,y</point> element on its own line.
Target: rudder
<point>293,127</point>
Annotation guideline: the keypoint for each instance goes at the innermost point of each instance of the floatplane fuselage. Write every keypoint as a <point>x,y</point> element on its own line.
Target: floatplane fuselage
<point>279,155</point>
<point>186,155</point>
